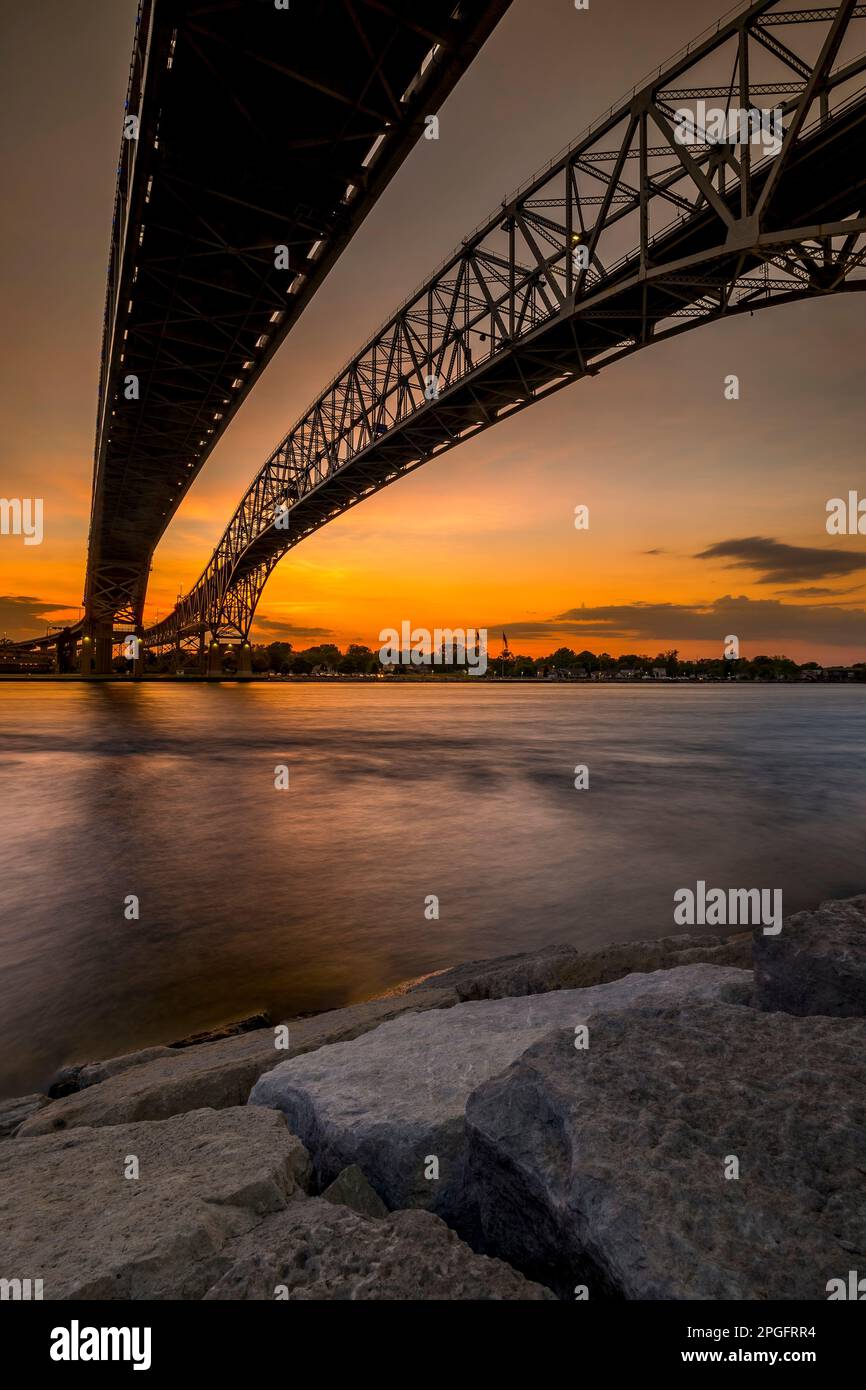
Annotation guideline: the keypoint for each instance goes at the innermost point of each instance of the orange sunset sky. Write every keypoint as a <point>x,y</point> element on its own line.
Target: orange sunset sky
<point>707,516</point>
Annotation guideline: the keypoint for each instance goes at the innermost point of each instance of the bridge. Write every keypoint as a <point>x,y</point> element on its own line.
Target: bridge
<point>256,139</point>
<point>683,205</point>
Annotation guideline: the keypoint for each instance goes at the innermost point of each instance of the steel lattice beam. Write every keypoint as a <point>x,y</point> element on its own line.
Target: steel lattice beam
<point>257,129</point>
<point>629,237</point>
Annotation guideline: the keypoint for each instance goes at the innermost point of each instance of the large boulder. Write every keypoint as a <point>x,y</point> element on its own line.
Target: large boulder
<point>70,1216</point>
<point>315,1250</point>
<point>565,967</point>
<point>393,1101</point>
<point>215,1075</point>
<point>614,1168</point>
<point>817,962</point>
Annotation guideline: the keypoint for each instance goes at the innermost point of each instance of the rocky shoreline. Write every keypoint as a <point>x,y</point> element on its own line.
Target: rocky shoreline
<point>673,1119</point>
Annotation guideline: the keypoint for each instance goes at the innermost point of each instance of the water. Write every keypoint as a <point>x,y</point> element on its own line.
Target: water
<point>253,898</point>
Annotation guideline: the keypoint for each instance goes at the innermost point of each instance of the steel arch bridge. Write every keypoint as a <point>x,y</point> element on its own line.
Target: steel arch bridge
<point>649,225</point>
<point>256,141</point>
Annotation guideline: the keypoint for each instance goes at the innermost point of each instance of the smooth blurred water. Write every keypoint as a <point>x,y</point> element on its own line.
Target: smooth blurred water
<point>313,897</point>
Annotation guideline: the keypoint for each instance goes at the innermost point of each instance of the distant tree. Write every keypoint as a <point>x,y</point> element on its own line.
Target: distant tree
<point>280,655</point>
<point>325,655</point>
<point>359,660</point>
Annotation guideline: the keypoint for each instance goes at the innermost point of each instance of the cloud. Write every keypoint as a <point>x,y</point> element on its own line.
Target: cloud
<point>272,630</point>
<point>820,593</point>
<point>21,615</point>
<point>763,621</point>
<point>784,564</point>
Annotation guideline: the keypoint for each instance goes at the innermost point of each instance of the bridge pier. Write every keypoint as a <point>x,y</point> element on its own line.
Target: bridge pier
<point>215,659</point>
<point>138,659</point>
<point>245,659</point>
<point>97,646</point>
<point>64,653</point>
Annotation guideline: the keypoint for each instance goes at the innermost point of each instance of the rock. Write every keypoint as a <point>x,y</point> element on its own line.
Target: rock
<point>817,962</point>
<point>83,1074</point>
<point>226,1030</point>
<point>351,1189</point>
<point>393,1100</point>
<point>71,1217</point>
<point>65,1081</point>
<point>315,1250</point>
<point>94,1073</point>
<point>607,1167</point>
<point>215,1075</point>
<point>564,967</point>
<point>14,1112</point>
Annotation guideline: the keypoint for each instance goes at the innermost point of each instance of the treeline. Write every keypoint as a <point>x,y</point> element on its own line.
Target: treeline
<point>328,659</point>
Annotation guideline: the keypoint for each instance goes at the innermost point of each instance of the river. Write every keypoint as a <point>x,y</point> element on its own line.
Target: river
<point>252,897</point>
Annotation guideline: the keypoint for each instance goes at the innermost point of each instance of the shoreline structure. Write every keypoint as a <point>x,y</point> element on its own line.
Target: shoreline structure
<point>670,1119</point>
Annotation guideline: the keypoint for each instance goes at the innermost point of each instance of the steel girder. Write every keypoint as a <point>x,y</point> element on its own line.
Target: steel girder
<point>264,138</point>
<point>628,237</point>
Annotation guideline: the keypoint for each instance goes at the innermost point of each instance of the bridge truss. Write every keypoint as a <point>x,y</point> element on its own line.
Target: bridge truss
<point>256,139</point>
<point>648,226</point>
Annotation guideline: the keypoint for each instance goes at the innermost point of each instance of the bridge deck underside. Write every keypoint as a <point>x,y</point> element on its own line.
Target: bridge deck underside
<point>256,130</point>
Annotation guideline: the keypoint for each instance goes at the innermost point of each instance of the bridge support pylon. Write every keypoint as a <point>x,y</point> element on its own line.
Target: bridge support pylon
<point>64,653</point>
<point>138,659</point>
<point>215,659</point>
<point>245,659</point>
<point>97,647</point>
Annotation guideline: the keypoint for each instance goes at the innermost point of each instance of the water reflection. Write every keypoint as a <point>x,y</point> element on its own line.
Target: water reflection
<point>254,898</point>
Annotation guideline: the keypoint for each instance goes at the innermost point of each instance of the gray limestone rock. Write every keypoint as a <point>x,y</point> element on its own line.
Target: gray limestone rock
<point>316,1250</point>
<point>817,962</point>
<point>614,1167</point>
<point>14,1112</point>
<point>70,1216</point>
<point>564,967</point>
<point>393,1101</point>
<point>215,1075</point>
<point>351,1189</point>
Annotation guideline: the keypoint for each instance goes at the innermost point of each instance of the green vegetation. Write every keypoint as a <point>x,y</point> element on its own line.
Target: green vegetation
<point>328,660</point>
